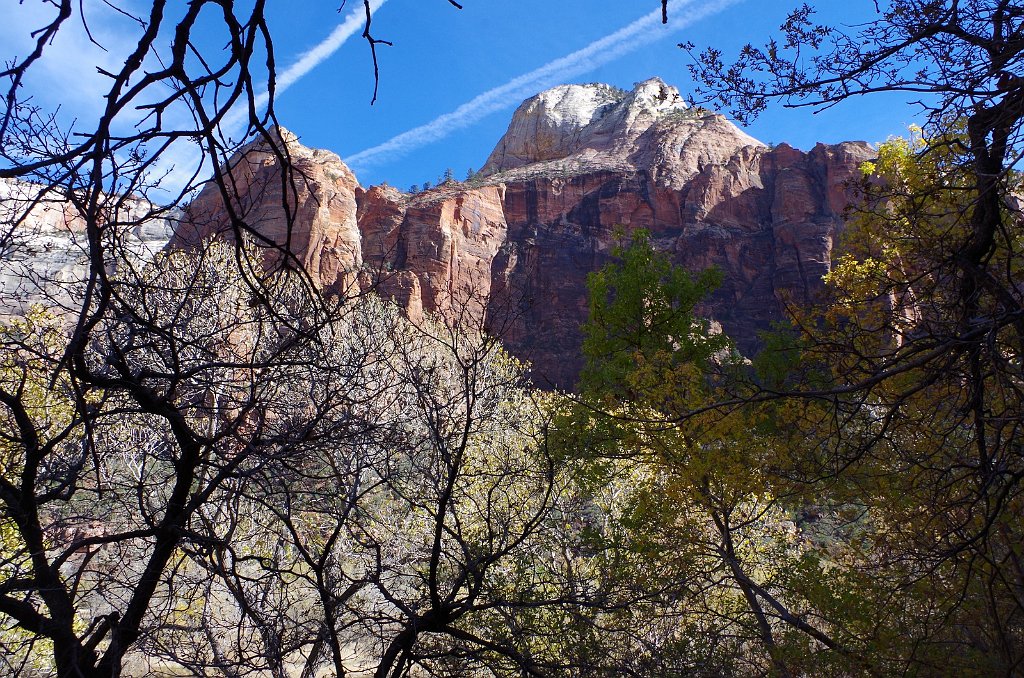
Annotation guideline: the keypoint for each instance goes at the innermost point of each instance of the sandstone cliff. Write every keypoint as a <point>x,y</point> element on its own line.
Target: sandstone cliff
<point>514,246</point>
<point>306,218</point>
<point>43,245</point>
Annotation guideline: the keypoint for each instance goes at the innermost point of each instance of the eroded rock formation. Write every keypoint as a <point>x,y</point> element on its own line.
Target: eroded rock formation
<point>309,213</point>
<point>44,249</point>
<point>513,246</point>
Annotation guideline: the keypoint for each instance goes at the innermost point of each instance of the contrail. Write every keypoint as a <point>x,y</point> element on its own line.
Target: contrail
<point>183,158</point>
<point>352,24</point>
<point>643,31</point>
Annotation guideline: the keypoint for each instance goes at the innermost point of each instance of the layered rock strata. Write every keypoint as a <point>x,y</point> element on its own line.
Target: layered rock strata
<point>305,218</point>
<point>513,247</point>
<point>44,250</point>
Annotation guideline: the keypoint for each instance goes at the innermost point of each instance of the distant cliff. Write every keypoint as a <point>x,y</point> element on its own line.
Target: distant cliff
<point>44,250</point>
<point>514,246</point>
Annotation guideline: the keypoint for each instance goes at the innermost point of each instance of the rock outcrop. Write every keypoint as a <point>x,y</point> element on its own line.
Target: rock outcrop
<point>305,218</point>
<point>512,248</point>
<point>576,129</point>
<point>43,245</point>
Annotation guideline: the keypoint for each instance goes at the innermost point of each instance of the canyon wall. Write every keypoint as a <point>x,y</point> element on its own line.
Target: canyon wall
<point>44,248</point>
<point>513,246</point>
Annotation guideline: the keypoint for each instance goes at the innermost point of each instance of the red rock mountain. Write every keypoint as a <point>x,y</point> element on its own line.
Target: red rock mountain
<point>514,245</point>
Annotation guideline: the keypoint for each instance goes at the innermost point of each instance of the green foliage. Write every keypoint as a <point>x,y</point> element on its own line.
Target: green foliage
<point>897,398</point>
<point>779,357</point>
<point>642,316</point>
<point>34,405</point>
<point>696,509</point>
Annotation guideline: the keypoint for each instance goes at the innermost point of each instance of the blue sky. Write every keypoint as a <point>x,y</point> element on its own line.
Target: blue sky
<point>444,58</point>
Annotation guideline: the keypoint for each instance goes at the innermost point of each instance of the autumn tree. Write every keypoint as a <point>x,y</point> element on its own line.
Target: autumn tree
<point>930,447</point>
<point>138,405</point>
<point>712,505</point>
<point>910,369</point>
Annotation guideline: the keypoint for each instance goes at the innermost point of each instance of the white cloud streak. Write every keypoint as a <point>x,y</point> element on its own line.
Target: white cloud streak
<point>183,158</point>
<point>644,31</point>
<point>352,24</point>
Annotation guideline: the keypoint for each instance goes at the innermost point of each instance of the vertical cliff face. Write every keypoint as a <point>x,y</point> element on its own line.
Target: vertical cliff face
<point>579,161</point>
<point>513,248</point>
<point>434,251</point>
<point>309,212</point>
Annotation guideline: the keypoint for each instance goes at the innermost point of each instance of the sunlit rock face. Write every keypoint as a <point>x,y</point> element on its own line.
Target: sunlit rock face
<point>574,129</point>
<point>577,163</point>
<point>435,251</point>
<point>511,249</point>
<point>43,247</point>
<point>309,213</point>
